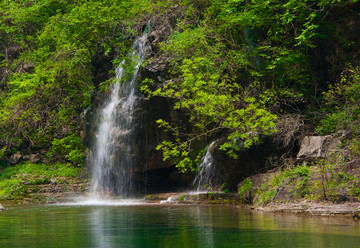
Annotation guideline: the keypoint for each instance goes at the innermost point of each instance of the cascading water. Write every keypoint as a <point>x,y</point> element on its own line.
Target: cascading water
<point>207,176</point>
<point>113,151</point>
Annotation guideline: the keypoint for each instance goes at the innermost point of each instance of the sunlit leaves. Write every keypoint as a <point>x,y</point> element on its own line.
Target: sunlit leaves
<point>342,101</point>
<point>70,148</point>
<point>236,66</point>
<point>213,103</point>
<point>54,46</point>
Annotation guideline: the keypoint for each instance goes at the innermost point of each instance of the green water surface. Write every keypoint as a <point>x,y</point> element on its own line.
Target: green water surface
<point>168,226</point>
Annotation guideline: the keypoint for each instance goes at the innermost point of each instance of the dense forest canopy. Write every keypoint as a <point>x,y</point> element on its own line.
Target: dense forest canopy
<point>239,69</point>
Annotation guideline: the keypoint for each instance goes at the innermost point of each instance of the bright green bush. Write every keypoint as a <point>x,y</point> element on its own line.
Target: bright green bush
<point>50,78</point>
<point>69,149</point>
<point>244,189</point>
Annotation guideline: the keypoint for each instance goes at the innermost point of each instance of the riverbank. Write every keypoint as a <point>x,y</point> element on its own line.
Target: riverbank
<point>54,193</point>
<point>30,184</point>
<point>307,208</point>
<point>347,209</point>
<point>40,183</point>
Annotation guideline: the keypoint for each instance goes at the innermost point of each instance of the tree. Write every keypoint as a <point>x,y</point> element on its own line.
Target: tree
<point>236,67</point>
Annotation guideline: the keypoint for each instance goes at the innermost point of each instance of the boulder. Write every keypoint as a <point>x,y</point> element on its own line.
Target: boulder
<point>15,158</point>
<point>35,158</point>
<point>314,147</point>
<point>1,207</point>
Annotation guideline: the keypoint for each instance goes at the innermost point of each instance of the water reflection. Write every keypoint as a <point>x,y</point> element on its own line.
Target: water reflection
<point>168,226</point>
<point>205,225</point>
<point>98,228</point>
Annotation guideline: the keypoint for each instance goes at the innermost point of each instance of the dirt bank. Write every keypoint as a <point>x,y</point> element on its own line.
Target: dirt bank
<point>347,209</point>
<point>48,193</point>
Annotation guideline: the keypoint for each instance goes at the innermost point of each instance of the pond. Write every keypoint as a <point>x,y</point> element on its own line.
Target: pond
<point>168,226</point>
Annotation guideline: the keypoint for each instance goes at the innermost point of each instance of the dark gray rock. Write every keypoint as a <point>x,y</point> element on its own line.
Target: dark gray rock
<point>250,161</point>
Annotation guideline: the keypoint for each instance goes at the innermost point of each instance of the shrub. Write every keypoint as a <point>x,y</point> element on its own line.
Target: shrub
<point>69,149</point>
<point>342,104</point>
<point>244,190</point>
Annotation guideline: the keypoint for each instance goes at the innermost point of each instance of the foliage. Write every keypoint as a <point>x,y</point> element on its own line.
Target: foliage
<point>15,180</point>
<point>69,148</point>
<point>2,152</point>
<point>244,189</point>
<point>324,180</point>
<point>150,197</point>
<point>181,198</point>
<point>299,178</point>
<point>224,188</point>
<point>270,188</point>
<point>298,171</point>
<point>235,67</point>
<point>214,104</point>
<point>331,179</point>
<point>342,104</point>
<point>50,56</point>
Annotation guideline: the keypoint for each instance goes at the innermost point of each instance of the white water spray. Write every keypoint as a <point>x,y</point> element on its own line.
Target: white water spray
<point>206,177</point>
<point>113,160</point>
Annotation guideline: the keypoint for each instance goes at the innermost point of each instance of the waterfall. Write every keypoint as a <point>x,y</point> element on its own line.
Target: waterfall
<point>113,151</point>
<point>207,177</point>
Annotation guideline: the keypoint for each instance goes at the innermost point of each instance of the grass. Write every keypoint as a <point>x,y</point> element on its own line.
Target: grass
<point>15,180</point>
<point>181,198</point>
<point>322,180</point>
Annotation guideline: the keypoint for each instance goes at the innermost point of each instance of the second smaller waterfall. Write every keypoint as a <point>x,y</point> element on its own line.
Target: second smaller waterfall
<point>207,176</point>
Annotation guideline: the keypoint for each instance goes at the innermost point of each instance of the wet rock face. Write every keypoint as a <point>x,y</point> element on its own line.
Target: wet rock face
<point>314,147</point>
<point>148,162</point>
<point>149,135</point>
<point>250,161</point>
